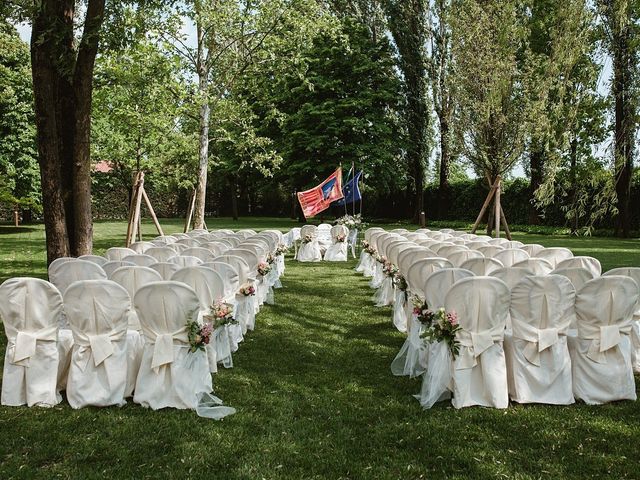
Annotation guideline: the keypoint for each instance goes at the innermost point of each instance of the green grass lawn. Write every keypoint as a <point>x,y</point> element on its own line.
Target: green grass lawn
<point>316,399</point>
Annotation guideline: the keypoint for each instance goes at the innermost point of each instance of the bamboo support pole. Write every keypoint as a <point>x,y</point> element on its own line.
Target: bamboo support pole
<point>497,206</point>
<point>152,211</point>
<point>486,203</point>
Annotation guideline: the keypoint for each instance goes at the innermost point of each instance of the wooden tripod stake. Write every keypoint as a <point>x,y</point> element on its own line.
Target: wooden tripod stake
<point>494,191</point>
<point>134,225</point>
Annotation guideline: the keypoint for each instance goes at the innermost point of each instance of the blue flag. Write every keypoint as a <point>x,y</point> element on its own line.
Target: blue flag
<point>351,191</point>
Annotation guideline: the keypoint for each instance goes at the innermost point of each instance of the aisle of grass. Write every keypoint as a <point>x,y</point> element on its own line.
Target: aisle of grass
<point>316,399</point>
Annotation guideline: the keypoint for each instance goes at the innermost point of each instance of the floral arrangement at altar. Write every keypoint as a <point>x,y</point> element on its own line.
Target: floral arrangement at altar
<point>221,314</point>
<point>351,221</point>
<point>438,325</point>
<point>199,335</point>
<point>264,268</point>
<point>247,290</point>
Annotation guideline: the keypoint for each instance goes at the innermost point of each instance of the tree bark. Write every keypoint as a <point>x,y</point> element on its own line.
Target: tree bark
<point>573,155</point>
<point>444,189</point>
<point>536,164</point>
<point>234,198</point>
<point>408,23</point>
<point>624,121</point>
<point>203,120</point>
<point>62,81</point>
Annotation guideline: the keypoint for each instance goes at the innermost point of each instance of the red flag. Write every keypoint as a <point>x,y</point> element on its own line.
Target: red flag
<point>319,198</point>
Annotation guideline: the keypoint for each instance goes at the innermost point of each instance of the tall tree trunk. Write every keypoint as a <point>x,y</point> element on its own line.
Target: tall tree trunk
<point>573,155</point>
<point>203,129</point>
<point>624,121</point>
<point>536,160</point>
<point>62,79</point>
<point>234,197</point>
<point>444,189</point>
<point>408,23</point>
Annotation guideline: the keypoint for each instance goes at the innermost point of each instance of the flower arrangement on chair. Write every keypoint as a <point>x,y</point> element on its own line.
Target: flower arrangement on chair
<point>281,250</point>
<point>381,259</point>
<point>307,238</point>
<point>271,259</point>
<point>199,335</point>
<point>340,238</point>
<point>247,290</point>
<point>439,326</point>
<point>389,269</point>
<point>221,314</point>
<point>264,268</point>
<point>400,282</point>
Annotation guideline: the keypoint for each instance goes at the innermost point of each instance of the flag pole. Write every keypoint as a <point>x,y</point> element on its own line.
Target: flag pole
<point>342,188</point>
<point>361,192</point>
<point>353,189</point>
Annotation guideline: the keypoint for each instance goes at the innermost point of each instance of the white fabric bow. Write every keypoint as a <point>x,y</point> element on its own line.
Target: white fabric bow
<point>473,345</point>
<point>98,346</point>
<point>546,338</point>
<point>24,346</point>
<point>609,337</point>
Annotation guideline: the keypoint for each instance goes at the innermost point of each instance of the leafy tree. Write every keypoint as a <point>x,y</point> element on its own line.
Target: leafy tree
<point>139,116</point>
<point>444,97</point>
<point>343,110</point>
<point>409,27</point>
<point>621,20</point>
<point>18,163</point>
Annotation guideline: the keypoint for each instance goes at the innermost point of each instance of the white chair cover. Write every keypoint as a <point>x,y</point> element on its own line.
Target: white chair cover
<point>165,269</point>
<point>458,258</point>
<point>337,251</point>
<point>30,309</point>
<point>633,272</point>
<point>209,288</point>
<point>588,263</point>
<point>140,259</point>
<point>490,251</point>
<point>601,353</point>
<point>420,270</point>
<point>577,275</point>
<point>170,375</point>
<point>94,258</point>
<point>202,253</point>
<point>229,277</point>
<point>539,266</point>
<point>482,266</point>
<point>310,251</point>
<point>511,256</point>
<point>532,249</point>
<point>538,362</point>
<point>118,253</point>
<point>113,265</point>
<point>512,275</point>
<point>131,279</point>
<point>480,375</point>
<point>141,247</point>
<point>554,255</point>
<point>161,254</point>
<point>98,312</point>
<point>185,261</point>
<point>67,273</point>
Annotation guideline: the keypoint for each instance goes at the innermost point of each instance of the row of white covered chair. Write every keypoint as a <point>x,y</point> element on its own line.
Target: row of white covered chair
<point>420,254</point>
<point>86,312</point>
